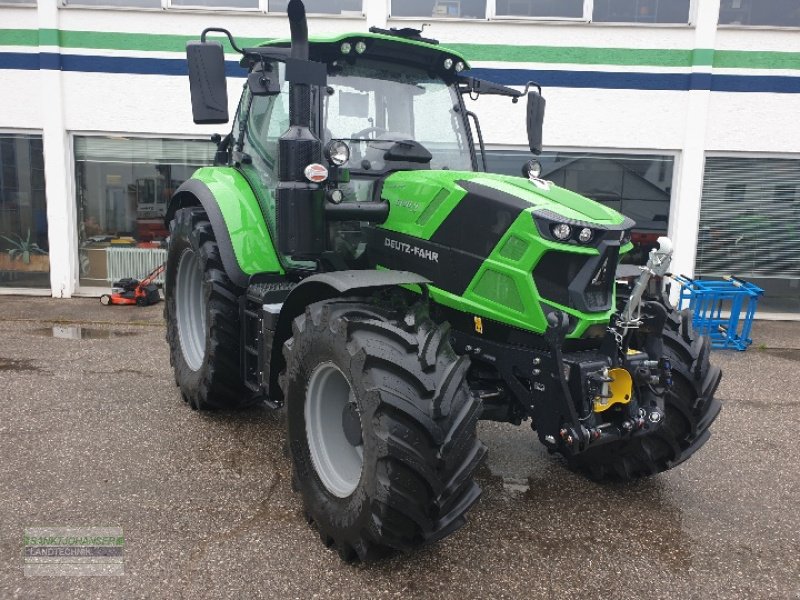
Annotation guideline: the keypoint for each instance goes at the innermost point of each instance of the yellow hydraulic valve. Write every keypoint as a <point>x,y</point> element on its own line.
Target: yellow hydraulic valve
<point>617,391</point>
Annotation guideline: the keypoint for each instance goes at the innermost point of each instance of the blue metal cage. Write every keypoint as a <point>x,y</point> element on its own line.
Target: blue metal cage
<point>723,310</point>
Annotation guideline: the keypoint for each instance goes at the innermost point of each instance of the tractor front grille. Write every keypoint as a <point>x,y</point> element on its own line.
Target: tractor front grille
<point>585,283</point>
<point>555,271</point>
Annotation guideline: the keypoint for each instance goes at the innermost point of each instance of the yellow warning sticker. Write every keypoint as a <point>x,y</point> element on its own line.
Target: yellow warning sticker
<point>478,324</point>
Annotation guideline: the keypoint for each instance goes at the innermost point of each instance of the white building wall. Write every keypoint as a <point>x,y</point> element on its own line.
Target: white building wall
<point>685,123</point>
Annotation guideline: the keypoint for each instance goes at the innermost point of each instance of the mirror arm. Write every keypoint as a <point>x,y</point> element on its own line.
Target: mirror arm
<point>473,85</point>
<point>474,117</point>
<point>221,30</point>
<point>529,85</point>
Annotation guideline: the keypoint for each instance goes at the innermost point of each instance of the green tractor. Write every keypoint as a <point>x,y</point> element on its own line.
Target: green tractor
<point>348,258</point>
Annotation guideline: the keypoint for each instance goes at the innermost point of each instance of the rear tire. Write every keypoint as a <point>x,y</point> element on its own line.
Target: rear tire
<point>690,409</point>
<point>398,474</point>
<point>202,313</point>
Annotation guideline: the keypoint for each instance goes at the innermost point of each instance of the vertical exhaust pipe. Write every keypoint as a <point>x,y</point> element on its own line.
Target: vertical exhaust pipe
<point>299,204</point>
<point>299,28</point>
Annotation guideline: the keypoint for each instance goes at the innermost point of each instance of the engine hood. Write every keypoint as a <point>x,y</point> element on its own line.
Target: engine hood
<point>415,186</point>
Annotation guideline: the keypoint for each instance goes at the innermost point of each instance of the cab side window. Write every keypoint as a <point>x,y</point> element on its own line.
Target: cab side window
<point>267,122</point>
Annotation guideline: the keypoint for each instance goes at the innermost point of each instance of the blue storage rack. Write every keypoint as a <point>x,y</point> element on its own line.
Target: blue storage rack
<point>723,310</point>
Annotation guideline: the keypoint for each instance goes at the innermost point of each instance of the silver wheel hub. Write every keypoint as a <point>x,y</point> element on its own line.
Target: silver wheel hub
<point>333,429</point>
<point>190,309</point>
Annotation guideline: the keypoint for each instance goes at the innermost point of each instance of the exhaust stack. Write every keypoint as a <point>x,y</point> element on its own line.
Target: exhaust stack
<point>300,204</point>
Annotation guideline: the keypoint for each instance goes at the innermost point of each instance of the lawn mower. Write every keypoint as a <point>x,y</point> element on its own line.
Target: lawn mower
<point>133,291</point>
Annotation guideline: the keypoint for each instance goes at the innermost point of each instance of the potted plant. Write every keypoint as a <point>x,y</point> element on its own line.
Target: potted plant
<point>24,255</point>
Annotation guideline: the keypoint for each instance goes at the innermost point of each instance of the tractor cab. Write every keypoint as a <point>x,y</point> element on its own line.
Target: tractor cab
<point>328,119</point>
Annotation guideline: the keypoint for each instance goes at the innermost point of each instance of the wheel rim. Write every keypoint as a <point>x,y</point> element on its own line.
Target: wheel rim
<point>337,460</point>
<point>190,308</point>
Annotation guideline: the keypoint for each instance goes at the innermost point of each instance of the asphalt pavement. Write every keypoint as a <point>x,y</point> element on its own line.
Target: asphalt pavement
<point>93,432</point>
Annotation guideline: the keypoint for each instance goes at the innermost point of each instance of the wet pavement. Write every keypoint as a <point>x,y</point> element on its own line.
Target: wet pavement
<point>93,432</point>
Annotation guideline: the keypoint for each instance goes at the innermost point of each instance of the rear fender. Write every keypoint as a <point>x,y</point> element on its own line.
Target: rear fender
<point>245,244</point>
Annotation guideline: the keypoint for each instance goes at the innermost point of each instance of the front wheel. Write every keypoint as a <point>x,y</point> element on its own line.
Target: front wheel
<point>689,410</point>
<point>381,427</point>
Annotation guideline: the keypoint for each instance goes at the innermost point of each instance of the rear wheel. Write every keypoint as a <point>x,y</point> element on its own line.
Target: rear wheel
<point>202,315</point>
<point>689,406</point>
<point>381,427</point>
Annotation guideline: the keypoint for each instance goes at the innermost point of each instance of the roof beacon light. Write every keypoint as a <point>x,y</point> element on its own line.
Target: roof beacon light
<point>361,47</point>
<point>346,47</point>
<point>448,63</point>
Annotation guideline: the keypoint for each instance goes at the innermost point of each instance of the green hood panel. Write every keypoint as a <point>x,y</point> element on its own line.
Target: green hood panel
<point>421,200</point>
<point>482,260</point>
<point>244,220</point>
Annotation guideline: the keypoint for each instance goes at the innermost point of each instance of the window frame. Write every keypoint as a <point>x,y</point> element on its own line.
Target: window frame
<point>168,5</point>
<point>742,26</point>
<point>587,18</point>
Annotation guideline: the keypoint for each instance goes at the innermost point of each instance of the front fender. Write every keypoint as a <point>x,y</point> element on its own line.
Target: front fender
<point>245,244</point>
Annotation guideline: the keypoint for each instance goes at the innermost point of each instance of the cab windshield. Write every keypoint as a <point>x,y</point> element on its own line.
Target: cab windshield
<point>376,107</point>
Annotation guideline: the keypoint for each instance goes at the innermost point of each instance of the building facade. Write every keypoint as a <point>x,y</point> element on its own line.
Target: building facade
<point>680,113</point>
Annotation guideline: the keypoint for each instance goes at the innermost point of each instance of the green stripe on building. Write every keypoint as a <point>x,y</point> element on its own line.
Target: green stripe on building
<point>641,57</point>
<point>575,55</point>
<point>744,59</point>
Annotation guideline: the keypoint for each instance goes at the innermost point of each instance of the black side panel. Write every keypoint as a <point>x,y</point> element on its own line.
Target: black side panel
<point>479,221</point>
<point>449,269</point>
<point>184,196</point>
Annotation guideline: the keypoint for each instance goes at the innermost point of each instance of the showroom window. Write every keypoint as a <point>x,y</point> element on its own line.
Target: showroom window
<point>641,11</point>
<point>24,259</point>
<point>121,3</point>
<point>770,13</point>
<point>327,7</point>
<point>217,4</point>
<point>750,226</point>
<point>638,186</point>
<point>123,186</point>
<point>562,9</point>
<point>460,9</point>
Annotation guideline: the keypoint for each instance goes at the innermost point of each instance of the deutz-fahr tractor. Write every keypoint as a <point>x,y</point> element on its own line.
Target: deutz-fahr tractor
<point>349,258</point>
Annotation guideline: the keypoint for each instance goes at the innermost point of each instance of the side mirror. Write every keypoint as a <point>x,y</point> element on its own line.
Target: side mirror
<point>535,121</point>
<point>207,82</point>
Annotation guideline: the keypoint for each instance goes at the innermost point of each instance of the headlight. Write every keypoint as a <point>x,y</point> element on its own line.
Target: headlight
<point>585,235</point>
<point>337,152</point>
<point>561,231</point>
<point>448,63</point>
<point>533,169</point>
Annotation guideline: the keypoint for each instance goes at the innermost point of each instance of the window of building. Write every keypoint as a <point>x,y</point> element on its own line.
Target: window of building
<point>326,7</point>
<point>123,186</point>
<point>771,13</point>
<point>463,9</point>
<point>121,3</point>
<point>641,11</point>
<point>562,9</point>
<point>638,186</point>
<point>24,259</point>
<point>24,2</point>
<point>750,224</point>
<point>218,4</point>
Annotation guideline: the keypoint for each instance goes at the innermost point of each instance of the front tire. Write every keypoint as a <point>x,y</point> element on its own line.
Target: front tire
<point>381,427</point>
<point>202,314</point>
<point>689,406</point>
